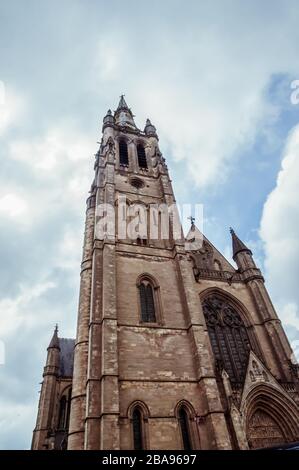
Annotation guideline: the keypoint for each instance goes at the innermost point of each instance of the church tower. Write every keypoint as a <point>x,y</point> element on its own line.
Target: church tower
<point>175,348</point>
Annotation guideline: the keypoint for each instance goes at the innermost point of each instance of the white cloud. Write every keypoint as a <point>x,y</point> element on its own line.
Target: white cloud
<point>110,58</point>
<point>15,417</point>
<point>12,205</point>
<point>51,152</point>
<point>60,162</point>
<point>12,108</point>
<point>204,87</point>
<point>280,233</point>
<point>18,310</point>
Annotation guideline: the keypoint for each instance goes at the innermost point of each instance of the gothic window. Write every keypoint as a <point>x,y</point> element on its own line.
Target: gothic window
<point>137,429</point>
<point>147,302</point>
<point>62,413</point>
<point>184,426</point>
<point>217,265</point>
<point>141,156</point>
<point>228,336</point>
<point>68,409</point>
<point>123,153</point>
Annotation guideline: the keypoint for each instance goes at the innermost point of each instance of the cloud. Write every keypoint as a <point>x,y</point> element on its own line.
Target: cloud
<point>12,108</point>
<point>205,84</point>
<point>280,233</point>
<point>12,205</point>
<point>18,309</point>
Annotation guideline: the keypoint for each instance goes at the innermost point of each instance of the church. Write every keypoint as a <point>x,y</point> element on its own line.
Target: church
<point>175,347</point>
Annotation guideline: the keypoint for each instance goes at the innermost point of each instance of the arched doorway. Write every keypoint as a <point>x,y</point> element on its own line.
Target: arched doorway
<point>272,417</point>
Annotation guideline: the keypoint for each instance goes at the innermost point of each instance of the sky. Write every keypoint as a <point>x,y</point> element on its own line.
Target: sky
<point>214,77</point>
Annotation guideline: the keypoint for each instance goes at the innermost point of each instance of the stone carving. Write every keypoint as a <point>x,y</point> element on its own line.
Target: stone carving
<point>263,430</point>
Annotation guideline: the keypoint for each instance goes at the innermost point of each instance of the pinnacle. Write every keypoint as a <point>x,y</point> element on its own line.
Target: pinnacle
<point>238,245</point>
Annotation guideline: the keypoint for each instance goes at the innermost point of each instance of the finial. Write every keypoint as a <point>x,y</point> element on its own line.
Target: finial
<point>54,343</point>
<point>231,230</point>
<point>192,220</point>
<point>122,103</point>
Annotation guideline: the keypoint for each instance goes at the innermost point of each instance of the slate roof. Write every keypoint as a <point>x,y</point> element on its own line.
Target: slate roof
<point>66,356</point>
<point>238,245</point>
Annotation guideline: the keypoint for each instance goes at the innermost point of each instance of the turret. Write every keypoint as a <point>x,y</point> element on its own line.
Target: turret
<point>150,129</point>
<point>44,422</point>
<point>242,255</point>
<point>53,357</point>
<point>108,120</point>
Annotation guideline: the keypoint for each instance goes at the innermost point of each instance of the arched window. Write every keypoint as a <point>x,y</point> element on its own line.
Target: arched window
<point>68,410</point>
<point>217,265</point>
<point>62,413</point>
<point>184,426</point>
<point>147,301</point>
<point>123,152</point>
<point>64,410</point>
<point>228,336</point>
<point>137,429</point>
<point>141,156</point>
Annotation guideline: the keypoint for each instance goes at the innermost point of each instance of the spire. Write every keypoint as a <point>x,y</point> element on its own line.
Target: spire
<point>123,115</point>
<point>54,343</point>
<point>238,245</point>
<point>122,103</point>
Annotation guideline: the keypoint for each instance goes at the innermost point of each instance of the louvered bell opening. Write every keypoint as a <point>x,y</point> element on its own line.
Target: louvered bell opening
<point>141,156</point>
<point>123,153</point>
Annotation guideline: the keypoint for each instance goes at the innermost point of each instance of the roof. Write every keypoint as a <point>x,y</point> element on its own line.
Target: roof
<point>66,356</point>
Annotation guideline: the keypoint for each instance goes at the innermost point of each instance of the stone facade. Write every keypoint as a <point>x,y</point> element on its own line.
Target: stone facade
<point>175,348</point>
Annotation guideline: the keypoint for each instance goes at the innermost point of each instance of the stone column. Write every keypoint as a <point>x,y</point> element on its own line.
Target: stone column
<point>78,403</point>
